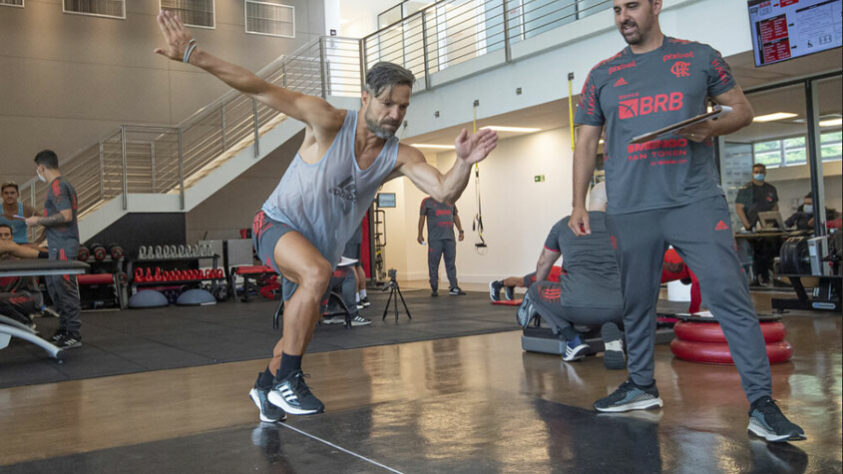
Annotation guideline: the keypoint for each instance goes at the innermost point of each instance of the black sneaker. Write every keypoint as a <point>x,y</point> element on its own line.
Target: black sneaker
<point>525,313</point>
<point>456,291</point>
<point>434,293</point>
<point>629,396</point>
<point>68,342</point>
<point>360,321</point>
<point>293,395</point>
<point>57,336</point>
<point>495,290</point>
<point>268,412</point>
<point>768,422</point>
<point>365,302</point>
<point>509,293</point>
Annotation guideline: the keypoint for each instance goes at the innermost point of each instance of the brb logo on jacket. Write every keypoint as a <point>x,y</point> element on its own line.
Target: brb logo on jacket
<point>630,107</point>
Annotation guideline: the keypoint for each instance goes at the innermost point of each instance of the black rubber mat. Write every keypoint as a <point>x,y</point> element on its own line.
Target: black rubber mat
<point>120,342</point>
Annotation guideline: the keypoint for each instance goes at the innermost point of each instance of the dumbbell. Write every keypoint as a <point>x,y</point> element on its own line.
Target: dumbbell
<point>139,275</point>
<point>84,254</point>
<point>115,250</point>
<point>99,252</point>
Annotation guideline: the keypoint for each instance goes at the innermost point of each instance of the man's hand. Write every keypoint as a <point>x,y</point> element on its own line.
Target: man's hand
<point>175,34</point>
<point>32,221</point>
<point>698,132</point>
<point>578,222</point>
<point>474,148</point>
<point>461,236</point>
<point>420,240</point>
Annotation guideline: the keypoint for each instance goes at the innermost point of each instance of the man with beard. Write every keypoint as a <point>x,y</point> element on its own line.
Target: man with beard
<point>303,226</point>
<point>666,192</point>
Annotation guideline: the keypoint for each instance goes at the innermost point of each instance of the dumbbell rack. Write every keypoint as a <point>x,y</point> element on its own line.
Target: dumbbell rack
<point>114,267</point>
<point>172,284</point>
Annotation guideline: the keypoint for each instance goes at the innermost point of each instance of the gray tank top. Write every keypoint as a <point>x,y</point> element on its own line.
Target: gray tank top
<point>326,201</point>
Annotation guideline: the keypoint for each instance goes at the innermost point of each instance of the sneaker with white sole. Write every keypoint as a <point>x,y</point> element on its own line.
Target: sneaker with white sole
<point>509,293</point>
<point>360,321</point>
<point>629,396</point>
<point>767,421</point>
<point>495,290</point>
<point>68,342</point>
<point>525,313</point>
<point>294,396</point>
<point>268,412</point>
<point>365,302</point>
<point>575,349</point>
<point>456,291</point>
<point>333,320</point>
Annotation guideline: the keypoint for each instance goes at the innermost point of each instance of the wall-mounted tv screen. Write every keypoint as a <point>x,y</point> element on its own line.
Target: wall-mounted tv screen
<point>386,199</point>
<point>787,29</point>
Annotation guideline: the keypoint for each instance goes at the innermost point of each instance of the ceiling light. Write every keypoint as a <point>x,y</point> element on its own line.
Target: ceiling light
<point>513,129</point>
<point>774,117</point>
<point>832,122</point>
<point>435,147</point>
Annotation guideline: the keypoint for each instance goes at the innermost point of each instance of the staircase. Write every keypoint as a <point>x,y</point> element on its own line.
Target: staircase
<point>143,168</point>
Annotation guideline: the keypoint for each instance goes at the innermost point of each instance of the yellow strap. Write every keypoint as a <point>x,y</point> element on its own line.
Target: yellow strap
<point>571,108</point>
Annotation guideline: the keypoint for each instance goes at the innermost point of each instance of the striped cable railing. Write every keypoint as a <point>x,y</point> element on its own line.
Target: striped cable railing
<point>168,160</point>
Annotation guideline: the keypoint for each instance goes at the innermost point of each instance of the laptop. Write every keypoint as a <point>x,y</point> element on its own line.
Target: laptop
<point>770,221</point>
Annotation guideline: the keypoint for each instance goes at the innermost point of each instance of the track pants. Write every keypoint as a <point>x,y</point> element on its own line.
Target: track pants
<point>434,255</point>
<point>64,291</point>
<point>549,302</point>
<point>702,236</point>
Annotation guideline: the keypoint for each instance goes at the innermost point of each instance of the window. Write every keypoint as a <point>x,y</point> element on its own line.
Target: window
<point>768,153</point>
<point>12,3</point>
<point>104,8</point>
<point>196,13</point>
<point>830,145</point>
<point>270,17</point>
<point>794,151</point>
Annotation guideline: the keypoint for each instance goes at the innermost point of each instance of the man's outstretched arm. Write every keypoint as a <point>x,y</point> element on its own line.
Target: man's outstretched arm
<point>19,251</point>
<point>448,187</point>
<point>313,111</point>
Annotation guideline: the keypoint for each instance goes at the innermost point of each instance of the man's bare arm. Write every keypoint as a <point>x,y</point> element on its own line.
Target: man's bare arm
<point>60,218</point>
<point>420,238</point>
<point>447,187</point>
<point>546,260</point>
<point>19,251</point>
<point>585,157</point>
<point>313,111</point>
<point>739,210</point>
<point>458,223</point>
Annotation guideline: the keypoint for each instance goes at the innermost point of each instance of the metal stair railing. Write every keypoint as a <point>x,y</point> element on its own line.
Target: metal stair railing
<point>168,160</point>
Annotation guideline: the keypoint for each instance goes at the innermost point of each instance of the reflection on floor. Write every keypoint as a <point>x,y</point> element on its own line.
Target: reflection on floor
<point>469,404</point>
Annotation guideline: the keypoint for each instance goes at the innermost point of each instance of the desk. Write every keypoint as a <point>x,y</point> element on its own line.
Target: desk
<point>20,268</point>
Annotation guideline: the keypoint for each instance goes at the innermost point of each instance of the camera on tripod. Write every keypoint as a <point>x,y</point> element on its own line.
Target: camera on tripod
<point>392,273</point>
<point>394,294</point>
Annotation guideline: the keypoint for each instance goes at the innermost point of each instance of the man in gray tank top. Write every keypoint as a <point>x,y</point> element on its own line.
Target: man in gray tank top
<point>303,226</point>
<point>666,191</point>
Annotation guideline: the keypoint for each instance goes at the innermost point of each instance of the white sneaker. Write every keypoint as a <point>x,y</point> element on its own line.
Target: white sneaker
<point>360,321</point>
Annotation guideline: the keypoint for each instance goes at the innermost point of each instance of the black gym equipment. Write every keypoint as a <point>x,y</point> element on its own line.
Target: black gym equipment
<point>99,252</point>
<point>807,257</point>
<point>393,289</point>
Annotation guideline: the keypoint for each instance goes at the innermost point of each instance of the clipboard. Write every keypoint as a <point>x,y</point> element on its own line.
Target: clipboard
<point>716,111</point>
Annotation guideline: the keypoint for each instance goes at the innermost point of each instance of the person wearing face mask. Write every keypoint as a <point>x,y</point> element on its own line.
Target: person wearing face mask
<point>60,223</point>
<point>754,197</point>
<point>803,218</point>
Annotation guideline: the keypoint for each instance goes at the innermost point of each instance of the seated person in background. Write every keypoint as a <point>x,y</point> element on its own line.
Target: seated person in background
<point>803,218</point>
<point>16,301</point>
<point>13,207</point>
<point>673,269</point>
<point>588,292</point>
<point>509,284</point>
<point>754,197</point>
<point>344,282</point>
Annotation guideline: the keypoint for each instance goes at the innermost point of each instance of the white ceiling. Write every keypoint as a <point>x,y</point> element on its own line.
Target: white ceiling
<point>554,114</point>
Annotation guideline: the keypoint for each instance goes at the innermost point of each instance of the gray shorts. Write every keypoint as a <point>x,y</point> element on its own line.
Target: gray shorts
<point>265,235</point>
<point>352,250</point>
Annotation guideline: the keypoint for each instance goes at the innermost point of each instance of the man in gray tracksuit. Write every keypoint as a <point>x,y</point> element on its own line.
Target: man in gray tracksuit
<point>441,219</point>
<point>665,191</point>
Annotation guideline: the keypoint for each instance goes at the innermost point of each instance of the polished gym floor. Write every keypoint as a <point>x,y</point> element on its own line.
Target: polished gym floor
<point>465,404</point>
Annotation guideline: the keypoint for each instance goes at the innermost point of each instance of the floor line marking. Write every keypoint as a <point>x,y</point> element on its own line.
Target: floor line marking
<point>372,461</point>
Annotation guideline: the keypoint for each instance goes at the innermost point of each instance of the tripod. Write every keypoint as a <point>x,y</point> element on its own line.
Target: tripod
<point>393,289</point>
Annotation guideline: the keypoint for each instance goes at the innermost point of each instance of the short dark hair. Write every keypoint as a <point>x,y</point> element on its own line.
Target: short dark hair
<point>809,195</point>
<point>9,184</point>
<point>8,227</point>
<point>385,75</point>
<point>760,165</point>
<point>48,158</point>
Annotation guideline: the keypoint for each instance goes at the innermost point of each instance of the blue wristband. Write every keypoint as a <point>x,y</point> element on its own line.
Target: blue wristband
<point>189,50</point>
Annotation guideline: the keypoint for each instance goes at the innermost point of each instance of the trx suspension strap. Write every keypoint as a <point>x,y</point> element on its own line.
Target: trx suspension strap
<point>571,108</point>
<point>478,218</point>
